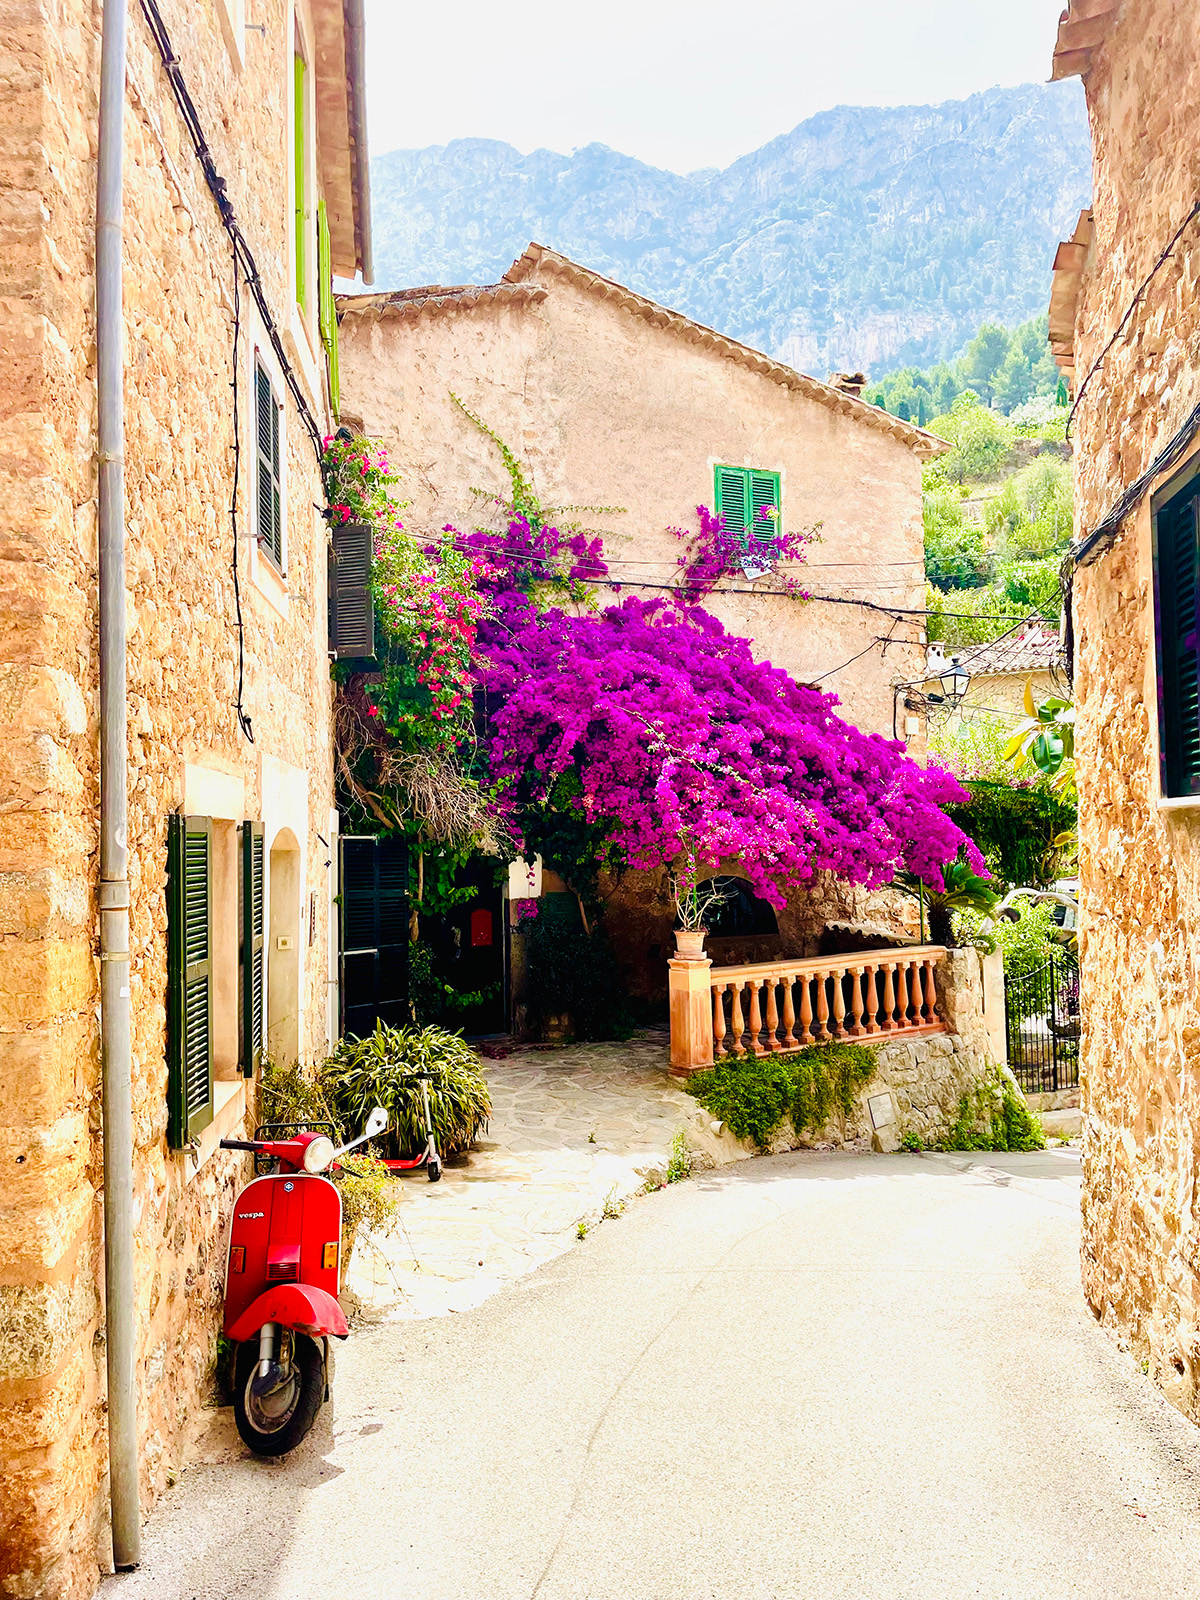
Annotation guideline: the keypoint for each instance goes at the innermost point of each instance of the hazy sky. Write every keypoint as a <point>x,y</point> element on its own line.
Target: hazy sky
<point>682,86</point>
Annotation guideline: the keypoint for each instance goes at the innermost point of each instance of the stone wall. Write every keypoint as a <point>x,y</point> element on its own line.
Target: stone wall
<point>185,746</point>
<point>608,410</point>
<point>1140,861</point>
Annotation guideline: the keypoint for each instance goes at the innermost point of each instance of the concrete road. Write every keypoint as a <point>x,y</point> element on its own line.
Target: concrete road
<point>827,1377</point>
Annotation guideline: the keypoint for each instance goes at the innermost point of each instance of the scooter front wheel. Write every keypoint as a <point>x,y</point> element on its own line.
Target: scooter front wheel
<point>275,1422</point>
<point>433,1169</point>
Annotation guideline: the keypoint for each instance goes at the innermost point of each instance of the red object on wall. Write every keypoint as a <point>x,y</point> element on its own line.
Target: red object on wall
<point>481,927</point>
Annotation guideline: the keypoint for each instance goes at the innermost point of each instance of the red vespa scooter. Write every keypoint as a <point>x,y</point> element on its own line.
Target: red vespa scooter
<point>281,1286</point>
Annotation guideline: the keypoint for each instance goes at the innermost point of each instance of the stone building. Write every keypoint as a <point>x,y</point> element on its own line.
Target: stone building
<point>1125,326</point>
<point>610,400</point>
<point>227,395</point>
<point>1030,653</point>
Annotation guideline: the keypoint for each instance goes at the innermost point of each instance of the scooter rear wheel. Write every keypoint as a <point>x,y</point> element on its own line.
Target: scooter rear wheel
<point>275,1423</point>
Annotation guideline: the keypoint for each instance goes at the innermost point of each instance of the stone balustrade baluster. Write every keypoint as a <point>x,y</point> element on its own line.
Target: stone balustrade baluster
<point>789,1012</point>
<point>806,1010</point>
<point>738,1020</point>
<point>822,1029</point>
<point>856,1029</point>
<point>902,994</point>
<point>889,997</point>
<point>719,1029</point>
<point>872,1016</point>
<point>756,1044</point>
<point>773,1042</point>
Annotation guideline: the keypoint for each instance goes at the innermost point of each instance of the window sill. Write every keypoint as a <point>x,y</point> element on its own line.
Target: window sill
<point>269,581</point>
<point>229,1109</point>
<point>1182,802</point>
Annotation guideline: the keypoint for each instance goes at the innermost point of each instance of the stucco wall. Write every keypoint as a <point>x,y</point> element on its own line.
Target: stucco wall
<point>1139,863</point>
<point>182,674</point>
<point>607,409</point>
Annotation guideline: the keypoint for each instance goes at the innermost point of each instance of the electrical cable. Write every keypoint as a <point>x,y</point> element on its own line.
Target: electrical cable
<point>242,715</point>
<point>1133,305</point>
<point>217,188</point>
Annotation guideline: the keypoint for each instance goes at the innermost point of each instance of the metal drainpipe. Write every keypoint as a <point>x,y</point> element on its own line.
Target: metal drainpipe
<point>115,1053</point>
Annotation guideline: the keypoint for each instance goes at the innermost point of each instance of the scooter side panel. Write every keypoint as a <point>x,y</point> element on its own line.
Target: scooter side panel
<point>285,1228</point>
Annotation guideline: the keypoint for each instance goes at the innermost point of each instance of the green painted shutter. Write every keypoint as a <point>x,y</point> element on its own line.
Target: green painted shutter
<point>298,142</point>
<point>373,932</point>
<point>252,946</point>
<point>732,498</point>
<point>327,313</point>
<point>764,491</point>
<point>189,978</point>
<point>1177,562</point>
<point>351,602</point>
<point>269,510</point>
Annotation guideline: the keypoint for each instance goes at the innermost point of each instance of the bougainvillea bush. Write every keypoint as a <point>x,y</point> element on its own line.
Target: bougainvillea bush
<point>714,551</point>
<point>685,746</point>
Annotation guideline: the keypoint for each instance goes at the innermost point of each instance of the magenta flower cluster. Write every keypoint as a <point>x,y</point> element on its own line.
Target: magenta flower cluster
<point>714,551</point>
<point>685,746</point>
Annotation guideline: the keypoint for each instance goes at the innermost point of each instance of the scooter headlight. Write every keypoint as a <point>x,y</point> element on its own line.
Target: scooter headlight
<point>318,1153</point>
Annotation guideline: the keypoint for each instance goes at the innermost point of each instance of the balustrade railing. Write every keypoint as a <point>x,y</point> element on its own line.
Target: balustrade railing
<point>772,1007</point>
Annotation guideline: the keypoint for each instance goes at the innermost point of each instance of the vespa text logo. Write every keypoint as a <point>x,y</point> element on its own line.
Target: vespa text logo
<point>248,1216</point>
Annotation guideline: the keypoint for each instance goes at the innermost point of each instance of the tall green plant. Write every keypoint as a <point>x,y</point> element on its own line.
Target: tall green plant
<point>379,1070</point>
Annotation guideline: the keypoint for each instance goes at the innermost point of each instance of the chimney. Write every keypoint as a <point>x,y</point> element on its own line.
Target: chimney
<point>852,383</point>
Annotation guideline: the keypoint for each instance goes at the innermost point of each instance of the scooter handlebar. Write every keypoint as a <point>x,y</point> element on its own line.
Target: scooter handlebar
<point>241,1144</point>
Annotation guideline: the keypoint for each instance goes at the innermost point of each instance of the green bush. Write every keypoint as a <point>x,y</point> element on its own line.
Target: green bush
<point>1028,943</point>
<point>377,1070</point>
<point>293,1094</point>
<point>993,1116</point>
<point>574,973</point>
<point>753,1094</point>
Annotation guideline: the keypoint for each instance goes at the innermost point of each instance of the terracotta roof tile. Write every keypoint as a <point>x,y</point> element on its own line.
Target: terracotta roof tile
<point>1029,647</point>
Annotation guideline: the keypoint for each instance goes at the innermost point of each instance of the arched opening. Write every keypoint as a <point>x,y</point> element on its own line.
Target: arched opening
<point>740,911</point>
<point>283,951</point>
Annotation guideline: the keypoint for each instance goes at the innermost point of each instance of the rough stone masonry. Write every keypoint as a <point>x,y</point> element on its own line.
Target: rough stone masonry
<point>185,748</point>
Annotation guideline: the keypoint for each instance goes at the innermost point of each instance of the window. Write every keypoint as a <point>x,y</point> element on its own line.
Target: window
<point>327,310</point>
<point>189,978</point>
<point>741,496</point>
<point>269,513</point>
<point>374,932</point>
<point>1176,570</point>
<point>300,175</point>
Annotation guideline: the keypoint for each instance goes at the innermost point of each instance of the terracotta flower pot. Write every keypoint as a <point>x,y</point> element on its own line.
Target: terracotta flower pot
<point>689,943</point>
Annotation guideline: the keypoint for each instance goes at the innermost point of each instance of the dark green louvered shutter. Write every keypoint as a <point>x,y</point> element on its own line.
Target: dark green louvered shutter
<point>252,946</point>
<point>732,499</point>
<point>189,978</point>
<point>1177,574</point>
<point>327,310</point>
<point>373,932</point>
<point>764,494</point>
<point>269,509</point>
<point>351,603</point>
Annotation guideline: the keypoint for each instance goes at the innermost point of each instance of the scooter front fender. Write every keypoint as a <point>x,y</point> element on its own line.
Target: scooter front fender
<point>295,1305</point>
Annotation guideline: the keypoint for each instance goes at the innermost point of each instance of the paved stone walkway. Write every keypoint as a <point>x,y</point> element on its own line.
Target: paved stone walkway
<point>574,1131</point>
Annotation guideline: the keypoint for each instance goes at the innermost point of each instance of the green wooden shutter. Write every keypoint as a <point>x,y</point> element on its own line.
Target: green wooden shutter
<point>351,602</point>
<point>327,313</point>
<point>1177,564</point>
<point>252,946</point>
<point>732,498</point>
<point>189,978</point>
<point>373,932</point>
<point>298,128</point>
<point>270,504</point>
<point>764,491</point>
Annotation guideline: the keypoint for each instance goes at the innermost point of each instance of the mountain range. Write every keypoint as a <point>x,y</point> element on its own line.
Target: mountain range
<point>865,238</point>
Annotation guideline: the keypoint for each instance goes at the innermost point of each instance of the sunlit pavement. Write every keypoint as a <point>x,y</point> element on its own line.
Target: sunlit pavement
<point>834,1376</point>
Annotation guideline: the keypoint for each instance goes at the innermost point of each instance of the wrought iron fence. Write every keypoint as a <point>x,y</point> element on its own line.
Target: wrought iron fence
<point>1042,1022</point>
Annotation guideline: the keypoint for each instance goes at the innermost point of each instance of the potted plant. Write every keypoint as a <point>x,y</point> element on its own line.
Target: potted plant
<point>695,902</point>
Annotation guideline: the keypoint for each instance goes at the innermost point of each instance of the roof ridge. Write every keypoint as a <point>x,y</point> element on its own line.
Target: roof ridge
<point>918,439</point>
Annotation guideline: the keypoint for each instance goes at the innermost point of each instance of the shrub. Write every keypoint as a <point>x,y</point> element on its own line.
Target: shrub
<point>293,1094</point>
<point>1028,943</point>
<point>753,1094</point>
<point>369,1198</point>
<point>573,972</point>
<point>993,1116</point>
<point>378,1070</point>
